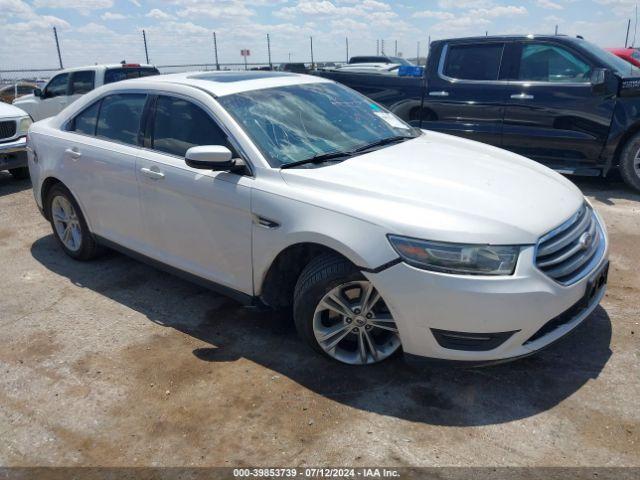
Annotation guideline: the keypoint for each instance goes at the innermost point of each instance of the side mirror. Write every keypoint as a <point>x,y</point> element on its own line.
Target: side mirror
<point>598,77</point>
<point>37,92</point>
<point>210,157</point>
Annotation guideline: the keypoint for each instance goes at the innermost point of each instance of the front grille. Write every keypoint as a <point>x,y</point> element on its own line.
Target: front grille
<point>7,129</point>
<point>566,253</point>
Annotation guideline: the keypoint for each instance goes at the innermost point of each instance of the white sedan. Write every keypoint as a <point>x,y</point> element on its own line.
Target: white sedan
<point>289,190</point>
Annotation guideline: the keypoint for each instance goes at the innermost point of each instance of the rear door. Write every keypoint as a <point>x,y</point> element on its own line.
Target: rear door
<point>466,91</point>
<point>554,115</point>
<point>101,157</point>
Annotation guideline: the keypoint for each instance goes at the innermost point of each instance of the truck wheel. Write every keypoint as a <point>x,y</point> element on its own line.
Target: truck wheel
<point>630,162</point>
<point>20,173</point>
<point>69,226</point>
<point>339,313</point>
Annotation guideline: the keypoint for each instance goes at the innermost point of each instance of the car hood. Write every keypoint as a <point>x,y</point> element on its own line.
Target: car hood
<point>7,110</point>
<point>445,188</point>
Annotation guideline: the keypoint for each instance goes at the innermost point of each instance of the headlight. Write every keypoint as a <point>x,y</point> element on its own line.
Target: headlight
<point>23,125</point>
<point>456,258</point>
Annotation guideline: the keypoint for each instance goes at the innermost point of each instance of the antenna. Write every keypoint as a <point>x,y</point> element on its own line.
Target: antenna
<point>635,28</point>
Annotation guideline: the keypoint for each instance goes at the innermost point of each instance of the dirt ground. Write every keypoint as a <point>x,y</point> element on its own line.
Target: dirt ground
<point>113,363</point>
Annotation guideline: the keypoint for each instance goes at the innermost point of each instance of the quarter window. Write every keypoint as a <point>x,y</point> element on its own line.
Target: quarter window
<point>119,117</point>
<point>474,62</point>
<point>180,125</point>
<point>86,121</point>
<point>82,82</point>
<point>549,63</point>
<point>57,86</point>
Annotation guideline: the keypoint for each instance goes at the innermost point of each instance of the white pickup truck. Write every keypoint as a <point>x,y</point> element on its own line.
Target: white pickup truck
<point>70,84</point>
<point>14,124</point>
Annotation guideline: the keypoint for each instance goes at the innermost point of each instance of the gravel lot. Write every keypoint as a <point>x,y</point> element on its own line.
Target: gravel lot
<point>114,363</point>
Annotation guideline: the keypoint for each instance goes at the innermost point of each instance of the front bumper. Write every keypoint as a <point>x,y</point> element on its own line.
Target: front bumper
<point>13,154</point>
<point>425,303</point>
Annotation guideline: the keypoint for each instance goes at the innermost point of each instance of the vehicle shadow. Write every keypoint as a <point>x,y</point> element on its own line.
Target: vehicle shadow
<point>435,395</point>
<point>9,185</point>
<point>606,190</point>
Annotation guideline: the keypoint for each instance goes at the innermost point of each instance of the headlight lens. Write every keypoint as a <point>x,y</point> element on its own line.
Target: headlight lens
<point>23,125</point>
<point>456,258</point>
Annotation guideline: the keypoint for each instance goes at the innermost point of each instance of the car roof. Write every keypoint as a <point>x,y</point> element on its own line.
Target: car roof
<point>105,67</point>
<point>505,38</point>
<point>229,82</point>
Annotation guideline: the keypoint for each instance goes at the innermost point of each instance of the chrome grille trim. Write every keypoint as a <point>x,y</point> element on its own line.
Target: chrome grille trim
<point>561,255</point>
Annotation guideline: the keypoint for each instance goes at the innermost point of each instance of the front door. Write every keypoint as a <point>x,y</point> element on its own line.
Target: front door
<point>554,115</point>
<point>195,220</point>
<point>466,95</point>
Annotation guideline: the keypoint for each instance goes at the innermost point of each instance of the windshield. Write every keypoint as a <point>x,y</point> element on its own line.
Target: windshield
<point>620,66</point>
<point>298,122</point>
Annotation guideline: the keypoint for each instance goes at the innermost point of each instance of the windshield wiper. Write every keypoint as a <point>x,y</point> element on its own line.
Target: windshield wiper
<point>319,158</point>
<point>381,142</point>
<point>323,157</point>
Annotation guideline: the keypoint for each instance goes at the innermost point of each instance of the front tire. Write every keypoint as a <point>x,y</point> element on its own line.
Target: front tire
<point>21,173</point>
<point>339,313</point>
<point>630,162</point>
<point>69,226</point>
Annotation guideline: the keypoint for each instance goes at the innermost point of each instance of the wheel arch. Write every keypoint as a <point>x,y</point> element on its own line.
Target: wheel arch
<point>279,281</point>
<point>47,184</point>
<point>622,142</point>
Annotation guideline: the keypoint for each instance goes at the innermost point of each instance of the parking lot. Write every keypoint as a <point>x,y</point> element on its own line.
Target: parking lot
<point>114,363</point>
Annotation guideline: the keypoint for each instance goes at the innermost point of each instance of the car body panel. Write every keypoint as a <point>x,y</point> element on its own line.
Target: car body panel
<point>402,185</point>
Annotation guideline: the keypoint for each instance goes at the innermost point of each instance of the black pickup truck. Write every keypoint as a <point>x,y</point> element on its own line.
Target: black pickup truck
<point>559,100</point>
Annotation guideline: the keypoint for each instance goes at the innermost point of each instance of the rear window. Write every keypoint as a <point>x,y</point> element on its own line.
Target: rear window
<point>119,117</point>
<point>474,62</point>
<point>124,73</point>
<point>82,82</point>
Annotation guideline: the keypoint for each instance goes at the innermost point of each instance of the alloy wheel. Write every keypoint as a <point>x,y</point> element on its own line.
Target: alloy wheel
<point>636,164</point>
<point>66,223</point>
<point>353,324</point>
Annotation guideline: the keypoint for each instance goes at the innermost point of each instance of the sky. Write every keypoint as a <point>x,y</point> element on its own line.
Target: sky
<point>181,31</point>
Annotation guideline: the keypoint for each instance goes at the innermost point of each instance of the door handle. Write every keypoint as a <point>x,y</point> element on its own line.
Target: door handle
<point>441,93</point>
<point>154,174</point>
<point>73,153</point>
<point>522,96</point>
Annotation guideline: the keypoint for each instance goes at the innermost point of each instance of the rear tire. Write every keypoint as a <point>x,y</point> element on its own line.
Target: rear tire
<point>21,173</point>
<point>630,162</point>
<point>69,226</point>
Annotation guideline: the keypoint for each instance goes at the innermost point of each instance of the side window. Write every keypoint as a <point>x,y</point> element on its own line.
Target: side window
<point>119,117</point>
<point>549,63</point>
<point>82,82</point>
<point>474,62</point>
<point>86,121</point>
<point>57,86</point>
<point>119,74</point>
<point>180,125</point>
